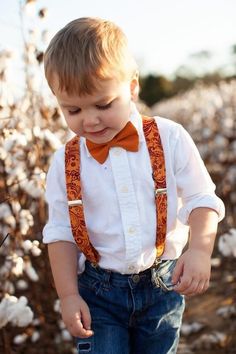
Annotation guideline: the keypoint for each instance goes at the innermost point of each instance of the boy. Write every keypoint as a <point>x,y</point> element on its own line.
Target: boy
<point>122,230</point>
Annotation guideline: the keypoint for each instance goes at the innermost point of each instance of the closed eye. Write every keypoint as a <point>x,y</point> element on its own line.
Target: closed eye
<point>75,111</point>
<point>107,106</point>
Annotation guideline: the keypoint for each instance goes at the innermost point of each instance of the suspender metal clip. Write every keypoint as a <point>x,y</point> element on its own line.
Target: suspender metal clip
<point>75,202</point>
<point>160,191</point>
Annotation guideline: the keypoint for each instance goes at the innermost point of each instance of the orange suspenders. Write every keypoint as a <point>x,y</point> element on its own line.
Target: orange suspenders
<point>73,186</point>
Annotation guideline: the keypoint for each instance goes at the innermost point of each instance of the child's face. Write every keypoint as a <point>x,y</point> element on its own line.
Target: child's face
<point>101,115</point>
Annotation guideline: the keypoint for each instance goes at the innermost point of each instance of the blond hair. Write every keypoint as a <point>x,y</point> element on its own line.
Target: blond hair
<point>85,51</point>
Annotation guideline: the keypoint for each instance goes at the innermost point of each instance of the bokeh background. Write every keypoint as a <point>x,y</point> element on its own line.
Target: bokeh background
<point>186,52</point>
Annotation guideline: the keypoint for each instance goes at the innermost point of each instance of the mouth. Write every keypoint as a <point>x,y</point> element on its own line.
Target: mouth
<point>98,133</point>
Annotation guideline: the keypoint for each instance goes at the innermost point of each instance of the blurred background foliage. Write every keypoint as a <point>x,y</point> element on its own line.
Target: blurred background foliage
<point>155,88</point>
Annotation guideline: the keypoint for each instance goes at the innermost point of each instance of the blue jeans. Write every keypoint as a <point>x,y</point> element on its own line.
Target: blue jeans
<point>131,314</point>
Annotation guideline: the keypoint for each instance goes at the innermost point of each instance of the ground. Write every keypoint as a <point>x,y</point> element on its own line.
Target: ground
<point>203,309</point>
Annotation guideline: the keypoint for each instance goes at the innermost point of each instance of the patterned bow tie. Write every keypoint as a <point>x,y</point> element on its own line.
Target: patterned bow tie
<point>127,138</point>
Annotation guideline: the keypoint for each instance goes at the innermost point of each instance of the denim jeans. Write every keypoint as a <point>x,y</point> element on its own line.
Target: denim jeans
<point>131,314</point>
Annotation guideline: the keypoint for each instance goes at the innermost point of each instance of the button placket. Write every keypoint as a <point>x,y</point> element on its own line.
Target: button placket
<point>128,207</point>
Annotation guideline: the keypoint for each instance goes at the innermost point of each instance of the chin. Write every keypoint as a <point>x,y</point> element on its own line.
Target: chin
<point>101,139</point>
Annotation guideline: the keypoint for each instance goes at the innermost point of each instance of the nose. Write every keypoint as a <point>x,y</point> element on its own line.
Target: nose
<point>90,120</point>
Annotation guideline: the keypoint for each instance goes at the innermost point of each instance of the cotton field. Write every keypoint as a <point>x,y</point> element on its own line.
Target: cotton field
<point>31,130</point>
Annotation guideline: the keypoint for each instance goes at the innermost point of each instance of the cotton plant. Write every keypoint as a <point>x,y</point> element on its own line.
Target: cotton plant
<point>227,243</point>
<point>15,311</point>
<point>208,114</point>
<point>26,147</point>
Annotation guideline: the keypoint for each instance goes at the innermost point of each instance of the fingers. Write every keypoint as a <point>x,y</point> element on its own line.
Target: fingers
<point>78,329</point>
<point>190,287</point>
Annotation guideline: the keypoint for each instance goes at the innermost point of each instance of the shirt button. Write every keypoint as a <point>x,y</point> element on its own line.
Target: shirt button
<point>132,230</point>
<point>124,189</point>
<point>131,267</point>
<point>117,151</point>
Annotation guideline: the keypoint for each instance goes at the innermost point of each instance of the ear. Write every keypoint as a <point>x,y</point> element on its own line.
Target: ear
<point>134,87</point>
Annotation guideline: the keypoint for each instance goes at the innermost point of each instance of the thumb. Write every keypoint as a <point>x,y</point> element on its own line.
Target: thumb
<point>178,271</point>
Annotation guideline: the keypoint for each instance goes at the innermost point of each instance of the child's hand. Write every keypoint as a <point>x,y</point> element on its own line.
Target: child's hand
<point>76,316</point>
<point>192,272</point>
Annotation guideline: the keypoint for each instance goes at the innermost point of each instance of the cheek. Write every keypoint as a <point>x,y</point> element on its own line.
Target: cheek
<point>72,123</point>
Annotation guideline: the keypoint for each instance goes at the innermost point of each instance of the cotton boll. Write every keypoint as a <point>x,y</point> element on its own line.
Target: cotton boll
<point>8,144</point>
<point>15,206</point>
<point>216,262</point>
<point>227,311</point>
<point>22,284</point>
<point>36,251</point>
<point>37,132</point>
<point>20,339</point>
<point>11,221</point>
<point>25,214</point>
<point>21,140</point>
<point>52,139</point>
<point>27,245</point>
<point>6,268</point>
<point>31,188</point>
<point>3,312</point>
<point>20,314</point>
<point>15,310</point>
<point>3,154</point>
<point>35,337</point>
<point>5,211</point>
<point>30,271</point>
<point>6,215</point>
<point>61,324</point>
<point>227,243</point>
<point>210,340</point>
<point>16,172</point>
<point>189,328</point>
<point>57,306</point>
<point>14,139</point>
<point>66,335</point>
<point>36,322</point>
<point>17,269</point>
<point>30,8</point>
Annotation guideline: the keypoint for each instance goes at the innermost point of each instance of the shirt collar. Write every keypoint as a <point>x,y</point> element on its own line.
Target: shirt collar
<point>135,119</point>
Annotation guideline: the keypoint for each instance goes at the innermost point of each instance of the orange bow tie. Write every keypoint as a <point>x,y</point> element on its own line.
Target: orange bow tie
<point>127,138</point>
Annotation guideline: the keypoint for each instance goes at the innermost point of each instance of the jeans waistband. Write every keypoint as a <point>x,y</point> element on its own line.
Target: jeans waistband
<point>122,280</point>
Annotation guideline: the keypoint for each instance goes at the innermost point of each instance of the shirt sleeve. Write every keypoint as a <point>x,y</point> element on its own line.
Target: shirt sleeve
<point>58,227</point>
<point>194,184</point>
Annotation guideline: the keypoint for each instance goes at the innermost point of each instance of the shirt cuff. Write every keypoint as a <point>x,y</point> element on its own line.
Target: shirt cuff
<point>203,201</point>
<point>55,233</point>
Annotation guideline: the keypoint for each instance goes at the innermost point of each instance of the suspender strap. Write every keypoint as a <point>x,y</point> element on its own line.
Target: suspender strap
<point>156,153</point>
<point>73,186</point>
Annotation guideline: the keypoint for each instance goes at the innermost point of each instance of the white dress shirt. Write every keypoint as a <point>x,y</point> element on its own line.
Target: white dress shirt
<point>119,203</point>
